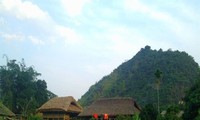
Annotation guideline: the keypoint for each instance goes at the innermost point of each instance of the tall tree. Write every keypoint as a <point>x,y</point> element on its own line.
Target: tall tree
<point>192,103</point>
<point>41,92</point>
<point>158,75</point>
<point>20,89</point>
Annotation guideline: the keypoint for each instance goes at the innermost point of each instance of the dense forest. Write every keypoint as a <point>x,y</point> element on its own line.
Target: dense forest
<point>136,78</point>
<point>20,89</point>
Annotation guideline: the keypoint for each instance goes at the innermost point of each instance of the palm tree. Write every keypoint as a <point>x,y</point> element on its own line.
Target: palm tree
<point>158,75</point>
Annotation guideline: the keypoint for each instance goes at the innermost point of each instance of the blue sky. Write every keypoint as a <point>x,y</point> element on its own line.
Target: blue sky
<point>74,43</point>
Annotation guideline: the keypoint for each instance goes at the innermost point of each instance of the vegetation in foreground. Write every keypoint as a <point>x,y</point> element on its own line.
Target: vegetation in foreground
<point>20,89</point>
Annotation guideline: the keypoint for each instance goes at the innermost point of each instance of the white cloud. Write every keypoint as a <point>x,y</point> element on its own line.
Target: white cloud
<point>10,37</point>
<point>35,40</point>
<point>67,34</point>
<point>180,29</point>
<point>2,21</point>
<point>125,40</point>
<point>74,7</point>
<point>21,37</point>
<point>23,9</point>
<point>104,68</point>
<point>27,10</point>
<point>120,45</point>
<point>136,5</point>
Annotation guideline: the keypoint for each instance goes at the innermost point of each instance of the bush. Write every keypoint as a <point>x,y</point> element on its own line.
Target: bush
<point>34,117</point>
<point>122,117</point>
<point>149,112</point>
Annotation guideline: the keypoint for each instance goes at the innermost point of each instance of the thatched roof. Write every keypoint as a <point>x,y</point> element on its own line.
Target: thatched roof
<point>112,106</point>
<point>4,111</point>
<point>65,104</point>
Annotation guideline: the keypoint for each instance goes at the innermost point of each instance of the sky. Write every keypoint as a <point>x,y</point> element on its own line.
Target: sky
<point>74,43</point>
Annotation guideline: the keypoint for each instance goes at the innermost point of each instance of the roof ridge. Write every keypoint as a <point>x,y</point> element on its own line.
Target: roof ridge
<point>62,103</point>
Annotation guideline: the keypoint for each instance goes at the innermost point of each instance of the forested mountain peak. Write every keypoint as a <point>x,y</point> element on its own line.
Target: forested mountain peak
<point>135,78</point>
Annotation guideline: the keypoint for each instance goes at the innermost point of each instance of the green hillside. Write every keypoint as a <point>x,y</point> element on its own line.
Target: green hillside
<point>135,78</point>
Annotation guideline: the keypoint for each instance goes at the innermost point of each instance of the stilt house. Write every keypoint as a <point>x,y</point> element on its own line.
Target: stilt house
<point>111,107</point>
<point>60,108</point>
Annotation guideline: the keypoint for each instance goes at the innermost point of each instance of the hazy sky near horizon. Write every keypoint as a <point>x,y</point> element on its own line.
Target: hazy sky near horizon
<point>74,43</point>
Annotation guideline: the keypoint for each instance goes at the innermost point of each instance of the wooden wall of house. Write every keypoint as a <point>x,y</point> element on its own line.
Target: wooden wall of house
<point>56,117</point>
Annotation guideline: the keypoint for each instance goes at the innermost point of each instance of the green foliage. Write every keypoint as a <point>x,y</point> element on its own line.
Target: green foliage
<point>123,117</point>
<point>135,78</point>
<point>20,89</point>
<point>34,117</point>
<point>92,118</point>
<point>198,116</point>
<point>1,118</point>
<point>149,112</point>
<point>158,75</point>
<point>173,112</point>
<point>192,103</point>
<point>136,117</point>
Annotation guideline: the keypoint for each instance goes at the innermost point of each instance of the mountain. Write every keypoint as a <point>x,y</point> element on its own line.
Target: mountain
<point>135,78</point>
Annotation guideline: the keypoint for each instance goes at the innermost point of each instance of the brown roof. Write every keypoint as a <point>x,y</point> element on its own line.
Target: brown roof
<point>4,111</point>
<point>66,104</point>
<point>112,106</point>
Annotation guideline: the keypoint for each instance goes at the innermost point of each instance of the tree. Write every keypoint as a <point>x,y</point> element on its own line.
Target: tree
<point>20,89</point>
<point>41,94</point>
<point>173,112</point>
<point>158,75</point>
<point>149,112</point>
<point>192,103</point>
